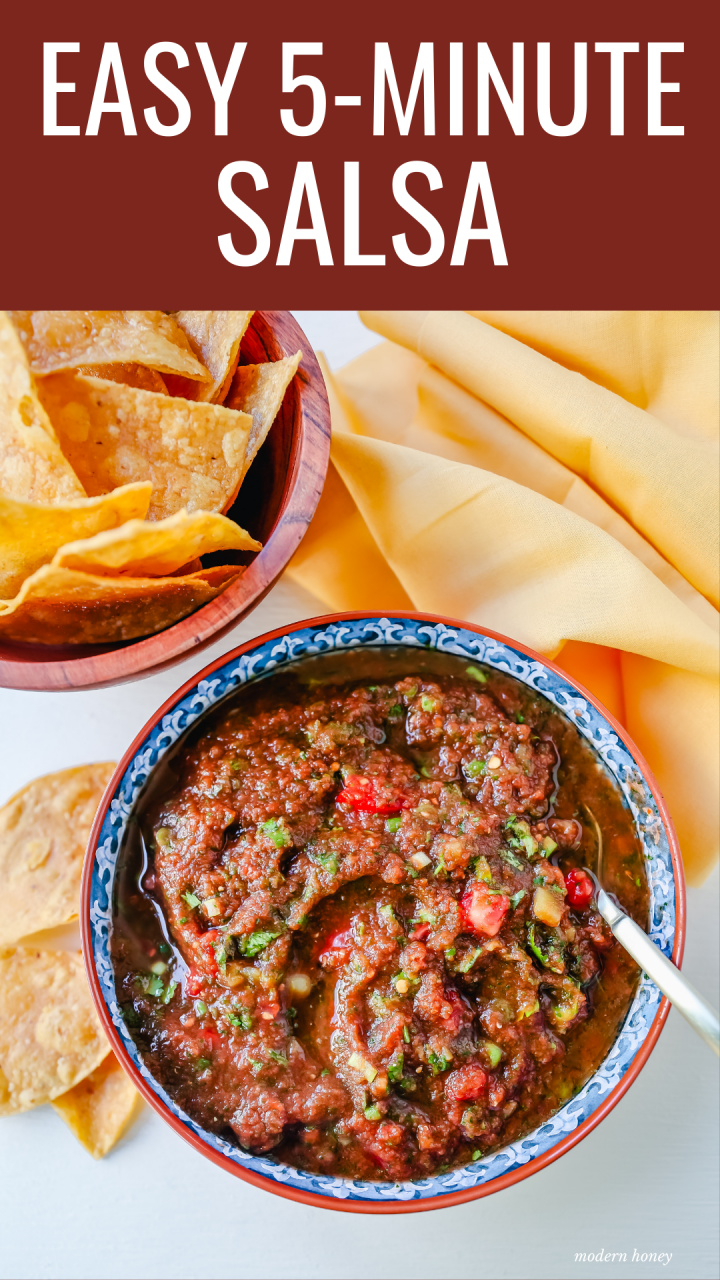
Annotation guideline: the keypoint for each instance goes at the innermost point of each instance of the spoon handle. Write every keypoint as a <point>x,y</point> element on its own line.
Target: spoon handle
<point>693,1007</point>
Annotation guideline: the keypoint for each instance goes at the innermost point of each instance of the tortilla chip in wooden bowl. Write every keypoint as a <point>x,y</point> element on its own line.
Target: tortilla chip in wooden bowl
<point>112,608</point>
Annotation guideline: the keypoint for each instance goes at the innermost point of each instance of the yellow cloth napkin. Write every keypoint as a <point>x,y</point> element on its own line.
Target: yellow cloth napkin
<point>552,476</point>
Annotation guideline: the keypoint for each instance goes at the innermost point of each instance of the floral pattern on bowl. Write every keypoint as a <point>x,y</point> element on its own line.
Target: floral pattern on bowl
<point>378,631</point>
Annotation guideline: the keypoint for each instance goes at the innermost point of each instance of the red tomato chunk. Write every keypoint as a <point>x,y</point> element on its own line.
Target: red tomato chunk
<point>367,795</point>
<point>483,912</point>
<point>580,888</point>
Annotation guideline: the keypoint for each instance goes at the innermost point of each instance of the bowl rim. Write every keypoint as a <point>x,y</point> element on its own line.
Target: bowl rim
<point>115,664</point>
<point>302,1195</point>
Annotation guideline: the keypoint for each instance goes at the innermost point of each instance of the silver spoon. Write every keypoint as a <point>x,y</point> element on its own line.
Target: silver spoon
<point>693,1007</point>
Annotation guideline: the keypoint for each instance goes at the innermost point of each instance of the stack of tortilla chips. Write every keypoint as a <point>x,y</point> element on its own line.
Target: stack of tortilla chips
<point>52,1047</point>
<point>124,437</point>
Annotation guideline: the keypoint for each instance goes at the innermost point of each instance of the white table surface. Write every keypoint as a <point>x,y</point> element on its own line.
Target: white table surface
<point>645,1180</point>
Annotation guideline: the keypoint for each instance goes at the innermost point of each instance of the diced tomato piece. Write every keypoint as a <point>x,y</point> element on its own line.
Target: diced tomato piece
<point>466,1084</point>
<point>337,949</point>
<point>193,985</point>
<point>483,912</point>
<point>212,1038</point>
<point>580,888</point>
<point>419,932</point>
<point>368,795</point>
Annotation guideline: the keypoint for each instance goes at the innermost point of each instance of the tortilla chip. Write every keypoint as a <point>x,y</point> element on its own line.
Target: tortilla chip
<point>62,606</point>
<point>70,339</point>
<point>215,337</point>
<point>43,833</point>
<point>31,534</point>
<point>112,434</point>
<point>133,375</point>
<point>32,466</point>
<point>99,1109</point>
<point>50,1034</point>
<point>258,389</point>
<point>144,548</point>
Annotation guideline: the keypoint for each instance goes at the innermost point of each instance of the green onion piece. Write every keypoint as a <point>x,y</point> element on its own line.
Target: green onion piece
<point>172,988</point>
<point>155,985</point>
<point>406,1034</point>
<point>325,1071</point>
<point>395,712</point>
<point>474,768</point>
<point>373,1112</point>
<point>387,911</point>
<point>493,1052</point>
<point>278,1057</point>
<point>203,1063</point>
<point>450,952</point>
<point>191,899</point>
<point>476,1155</point>
<point>392,824</point>
<point>476,674</point>
<point>200,1008</point>
<point>468,960</point>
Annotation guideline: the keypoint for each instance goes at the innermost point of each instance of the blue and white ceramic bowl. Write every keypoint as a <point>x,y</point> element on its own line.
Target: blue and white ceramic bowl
<point>664,869</point>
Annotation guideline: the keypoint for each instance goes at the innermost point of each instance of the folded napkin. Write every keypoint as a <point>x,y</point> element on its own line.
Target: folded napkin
<point>552,476</point>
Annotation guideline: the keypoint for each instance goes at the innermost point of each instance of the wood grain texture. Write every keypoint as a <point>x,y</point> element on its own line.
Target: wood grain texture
<point>276,503</point>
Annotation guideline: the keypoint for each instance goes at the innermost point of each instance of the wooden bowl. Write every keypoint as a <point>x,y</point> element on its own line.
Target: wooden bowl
<point>276,503</point>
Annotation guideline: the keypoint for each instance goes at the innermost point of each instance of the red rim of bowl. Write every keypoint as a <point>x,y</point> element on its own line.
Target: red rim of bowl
<point>277,334</point>
<point>364,1206</point>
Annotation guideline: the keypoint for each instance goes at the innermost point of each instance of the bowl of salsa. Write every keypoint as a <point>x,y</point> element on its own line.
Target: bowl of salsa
<point>336,920</point>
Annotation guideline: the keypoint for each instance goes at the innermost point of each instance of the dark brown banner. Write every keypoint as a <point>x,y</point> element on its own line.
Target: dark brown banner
<point>429,155</point>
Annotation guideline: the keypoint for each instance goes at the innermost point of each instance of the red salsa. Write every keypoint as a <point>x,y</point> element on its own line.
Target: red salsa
<point>352,926</point>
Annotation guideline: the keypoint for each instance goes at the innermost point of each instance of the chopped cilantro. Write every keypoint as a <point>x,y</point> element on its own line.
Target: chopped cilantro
<point>438,1062</point>
<point>202,1064</point>
<point>325,1071</point>
<point>241,1019</point>
<point>517,897</point>
<point>191,899</point>
<point>256,942</point>
<point>520,836</point>
<point>276,830</point>
<point>278,1057</point>
<point>328,861</point>
<point>395,1067</point>
<point>130,1015</point>
<point>395,712</point>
